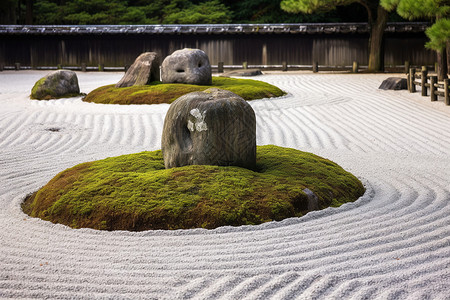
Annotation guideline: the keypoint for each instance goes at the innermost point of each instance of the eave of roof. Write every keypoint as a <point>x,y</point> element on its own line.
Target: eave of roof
<point>300,28</point>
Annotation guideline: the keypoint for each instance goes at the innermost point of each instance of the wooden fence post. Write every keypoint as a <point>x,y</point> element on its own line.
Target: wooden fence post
<point>423,80</point>
<point>315,67</point>
<point>446,94</point>
<point>245,65</point>
<point>17,66</point>
<point>220,67</point>
<point>408,82</point>
<point>284,67</point>
<point>412,76</point>
<point>433,81</point>
<point>406,67</point>
<point>355,67</point>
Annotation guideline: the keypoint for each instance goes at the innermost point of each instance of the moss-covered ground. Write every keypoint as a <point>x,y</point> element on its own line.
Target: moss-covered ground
<point>135,192</point>
<point>157,92</point>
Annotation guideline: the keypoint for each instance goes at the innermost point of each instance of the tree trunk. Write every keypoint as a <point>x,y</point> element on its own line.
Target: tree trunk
<point>441,57</point>
<point>448,57</point>
<point>29,12</point>
<point>8,14</point>
<point>441,64</point>
<point>376,51</point>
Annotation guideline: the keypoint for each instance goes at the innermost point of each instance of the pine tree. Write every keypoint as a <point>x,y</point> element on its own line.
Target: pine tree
<point>376,14</point>
<point>439,33</point>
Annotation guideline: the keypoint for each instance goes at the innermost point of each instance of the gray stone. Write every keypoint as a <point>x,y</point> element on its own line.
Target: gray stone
<point>313,200</point>
<point>189,66</point>
<point>214,127</point>
<point>144,70</point>
<point>394,83</point>
<point>243,72</point>
<point>56,84</point>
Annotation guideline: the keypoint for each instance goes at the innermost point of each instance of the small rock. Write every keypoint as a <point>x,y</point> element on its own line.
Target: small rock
<point>394,83</point>
<point>144,70</point>
<point>56,84</point>
<point>313,200</point>
<point>243,72</point>
<point>189,66</point>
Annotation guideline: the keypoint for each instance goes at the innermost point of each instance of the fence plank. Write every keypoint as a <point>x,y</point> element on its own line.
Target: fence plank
<point>433,81</point>
<point>315,67</point>
<point>423,80</point>
<point>412,76</point>
<point>446,95</point>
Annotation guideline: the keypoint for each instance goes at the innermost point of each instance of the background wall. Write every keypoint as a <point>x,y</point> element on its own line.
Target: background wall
<point>118,50</point>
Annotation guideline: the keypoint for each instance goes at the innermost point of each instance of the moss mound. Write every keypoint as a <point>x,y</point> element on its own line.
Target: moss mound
<point>157,92</point>
<point>135,192</point>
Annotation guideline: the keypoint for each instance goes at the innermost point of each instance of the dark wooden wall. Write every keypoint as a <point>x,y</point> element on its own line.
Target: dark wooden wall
<point>232,49</point>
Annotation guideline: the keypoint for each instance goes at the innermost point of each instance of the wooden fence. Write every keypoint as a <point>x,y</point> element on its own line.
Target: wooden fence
<point>428,83</point>
<point>355,67</point>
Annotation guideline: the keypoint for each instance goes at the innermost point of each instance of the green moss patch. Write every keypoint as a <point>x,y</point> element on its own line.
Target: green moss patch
<point>157,92</point>
<point>135,192</point>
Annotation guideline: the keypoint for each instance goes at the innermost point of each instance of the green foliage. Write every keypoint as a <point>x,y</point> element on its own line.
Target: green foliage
<point>158,92</point>
<point>210,12</point>
<point>268,11</point>
<point>414,9</point>
<point>439,35</point>
<point>84,12</point>
<point>135,192</point>
<point>312,6</point>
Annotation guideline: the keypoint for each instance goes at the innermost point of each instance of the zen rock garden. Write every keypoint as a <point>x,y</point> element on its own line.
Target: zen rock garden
<point>209,173</point>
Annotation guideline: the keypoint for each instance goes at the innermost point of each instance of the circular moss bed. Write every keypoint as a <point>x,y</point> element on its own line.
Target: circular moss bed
<point>157,92</point>
<point>135,192</point>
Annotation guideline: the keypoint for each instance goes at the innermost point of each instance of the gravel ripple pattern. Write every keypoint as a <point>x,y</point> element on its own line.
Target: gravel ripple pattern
<point>392,243</point>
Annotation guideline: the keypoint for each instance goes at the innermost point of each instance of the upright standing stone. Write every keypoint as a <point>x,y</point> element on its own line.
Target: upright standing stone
<point>214,127</point>
<point>189,66</point>
<point>144,70</point>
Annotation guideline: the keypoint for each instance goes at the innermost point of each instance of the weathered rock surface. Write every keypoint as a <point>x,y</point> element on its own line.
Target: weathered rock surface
<point>214,127</point>
<point>243,72</point>
<point>394,83</point>
<point>56,84</point>
<point>189,66</point>
<point>313,200</point>
<point>144,70</point>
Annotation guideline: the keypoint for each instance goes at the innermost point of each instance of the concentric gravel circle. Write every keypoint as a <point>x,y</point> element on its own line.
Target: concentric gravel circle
<point>393,243</point>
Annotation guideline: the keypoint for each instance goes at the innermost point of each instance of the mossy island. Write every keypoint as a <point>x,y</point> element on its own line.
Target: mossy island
<point>135,192</point>
<point>157,92</point>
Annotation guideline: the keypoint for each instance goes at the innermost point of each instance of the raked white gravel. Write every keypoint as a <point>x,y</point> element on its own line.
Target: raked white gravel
<point>393,243</point>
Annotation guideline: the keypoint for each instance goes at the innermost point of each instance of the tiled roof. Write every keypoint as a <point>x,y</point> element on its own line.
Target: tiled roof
<point>303,28</point>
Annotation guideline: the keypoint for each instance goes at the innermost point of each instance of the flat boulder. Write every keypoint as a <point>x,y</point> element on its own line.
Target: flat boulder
<point>394,83</point>
<point>243,72</point>
<point>213,127</point>
<point>144,70</point>
<point>56,84</point>
<point>189,66</point>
